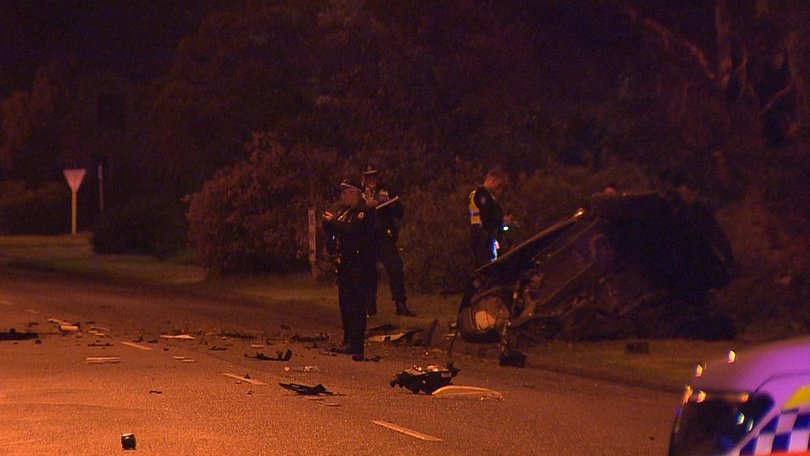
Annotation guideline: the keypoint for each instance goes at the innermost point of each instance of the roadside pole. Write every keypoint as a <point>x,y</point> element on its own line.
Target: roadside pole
<point>74,178</point>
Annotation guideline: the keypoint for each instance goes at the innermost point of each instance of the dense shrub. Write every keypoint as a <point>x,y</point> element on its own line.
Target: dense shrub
<point>435,231</point>
<point>45,210</point>
<point>253,216</point>
<point>149,226</point>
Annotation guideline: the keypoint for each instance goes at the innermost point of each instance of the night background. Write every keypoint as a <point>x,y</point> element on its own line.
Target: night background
<point>218,123</point>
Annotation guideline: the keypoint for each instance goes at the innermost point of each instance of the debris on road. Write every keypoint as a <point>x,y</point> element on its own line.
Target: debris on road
<point>217,348</point>
<point>474,392</point>
<point>12,334</point>
<point>155,392</point>
<point>102,360</point>
<point>98,344</point>
<point>406,431</point>
<point>136,345</point>
<point>177,336</point>
<point>237,335</point>
<point>306,369</point>
<point>243,378</point>
<point>280,356</point>
<point>68,328</point>
<point>256,345</point>
<point>128,441</point>
<point>319,337</point>
<point>184,359</point>
<point>306,390</point>
<point>393,337</point>
<point>427,379</point>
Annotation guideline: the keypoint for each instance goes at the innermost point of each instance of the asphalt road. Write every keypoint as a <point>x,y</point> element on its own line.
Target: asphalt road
<point>177,399</point>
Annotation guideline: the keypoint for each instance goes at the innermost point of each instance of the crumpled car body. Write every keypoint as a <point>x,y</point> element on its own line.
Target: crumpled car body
<point>638,265</point>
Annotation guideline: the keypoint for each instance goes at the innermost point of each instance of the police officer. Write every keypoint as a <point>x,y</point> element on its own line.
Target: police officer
<point>353,229</point>
<point>388,208</point>
<point>486,217</point>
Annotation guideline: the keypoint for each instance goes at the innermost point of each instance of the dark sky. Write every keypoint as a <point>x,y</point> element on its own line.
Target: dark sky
<point>134,36</point>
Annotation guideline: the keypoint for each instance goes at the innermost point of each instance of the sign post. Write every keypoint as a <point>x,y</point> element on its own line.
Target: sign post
<point>74,178</point>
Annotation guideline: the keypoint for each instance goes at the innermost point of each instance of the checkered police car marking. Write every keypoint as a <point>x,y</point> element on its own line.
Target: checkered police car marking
<point>788,432</point>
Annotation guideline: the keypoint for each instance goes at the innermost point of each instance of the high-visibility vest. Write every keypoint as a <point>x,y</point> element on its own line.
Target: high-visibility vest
<point>475,212</point>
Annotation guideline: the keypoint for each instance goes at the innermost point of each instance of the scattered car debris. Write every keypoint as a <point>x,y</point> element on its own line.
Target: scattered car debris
<point>406,431</point>
<point>243,378</point>
<point>306,369</point>
<point>217,348</point>
<point>177,336</point>
<point>306,390</point>
<point>320,337</point>
<point>128,441</point>
<point>383,328</point>
<point>511,357</point>
<point>427,379</point>
<point>256,345</point>
<point>280,356</point>
<point>12,334</point>
<point>68,328</point>
<point>102,360</point>
<point>394,337</point>
<point>136,345</point>
<point>97,344</point>
<point>473,392</point>
<point>237,335</point>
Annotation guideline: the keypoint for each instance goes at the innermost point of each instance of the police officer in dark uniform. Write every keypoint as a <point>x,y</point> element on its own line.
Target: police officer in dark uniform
<point>388,208</point>
<point>353,230</point>
<point>486,217</point>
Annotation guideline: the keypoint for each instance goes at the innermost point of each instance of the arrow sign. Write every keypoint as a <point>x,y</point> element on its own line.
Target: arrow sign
<point>74,178</point>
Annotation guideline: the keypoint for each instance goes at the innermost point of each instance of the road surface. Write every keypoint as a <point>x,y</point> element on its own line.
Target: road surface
<point>182,397</point>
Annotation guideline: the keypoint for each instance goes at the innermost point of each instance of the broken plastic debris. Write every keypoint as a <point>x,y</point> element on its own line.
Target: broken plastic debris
<point>243,378</point>
<point>102,360</point>
<point>12,334</point>
<point>473,392</point>
<point>427,379</point>
<point>303,369</point>
<point>128,441</point>
<point>178,336</point>
<point>306,390</point>
<point>320,337</point>
<point>280,356</point>
<point>134,345</point>
<point>68,328</point>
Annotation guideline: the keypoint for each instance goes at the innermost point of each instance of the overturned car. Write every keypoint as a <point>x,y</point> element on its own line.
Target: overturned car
<point>633,265</point>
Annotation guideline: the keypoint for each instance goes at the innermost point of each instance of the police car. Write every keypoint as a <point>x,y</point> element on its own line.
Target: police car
<point>756,402</point>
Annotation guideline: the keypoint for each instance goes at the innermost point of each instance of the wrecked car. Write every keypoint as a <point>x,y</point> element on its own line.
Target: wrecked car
<point>632,265</point>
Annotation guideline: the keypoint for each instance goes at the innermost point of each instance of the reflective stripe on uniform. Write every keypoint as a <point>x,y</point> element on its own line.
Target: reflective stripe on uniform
<point>475,212</point>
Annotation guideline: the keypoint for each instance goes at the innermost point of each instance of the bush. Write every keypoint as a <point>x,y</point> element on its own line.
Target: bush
<point>42,211</point>
<point>147,226</point>
<point>253,216</point>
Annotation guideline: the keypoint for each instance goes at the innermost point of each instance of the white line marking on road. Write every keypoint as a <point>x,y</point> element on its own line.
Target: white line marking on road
<point>241,378</point>
<point>406,431</point>
<point>138,346</point>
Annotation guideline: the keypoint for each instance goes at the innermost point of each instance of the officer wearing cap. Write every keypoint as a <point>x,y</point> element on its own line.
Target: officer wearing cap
<point>353,229</point>
<point>486,217</point>
<point>388,208</point>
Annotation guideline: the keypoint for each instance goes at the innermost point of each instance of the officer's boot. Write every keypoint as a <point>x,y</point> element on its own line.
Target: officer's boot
<point>402,310</point>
